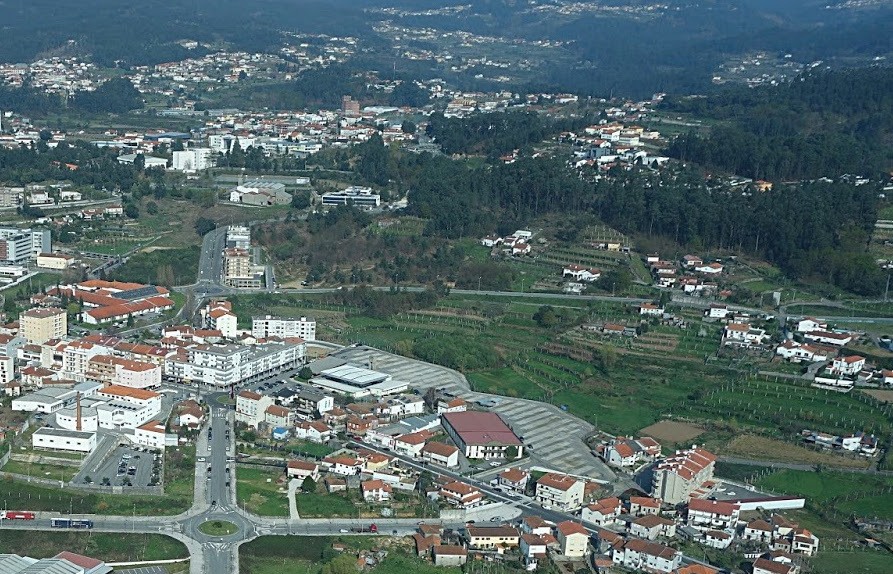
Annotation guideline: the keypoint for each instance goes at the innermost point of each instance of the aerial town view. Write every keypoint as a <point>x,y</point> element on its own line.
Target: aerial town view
<point>412,287</point>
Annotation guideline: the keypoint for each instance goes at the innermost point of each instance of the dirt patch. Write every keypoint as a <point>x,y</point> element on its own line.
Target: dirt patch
<point>672,431</point>
<point>156,248</point>
<point>763,448</point>
<point>881,395</point>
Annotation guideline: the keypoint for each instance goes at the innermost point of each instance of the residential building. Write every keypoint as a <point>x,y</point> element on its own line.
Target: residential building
<point>314,431</point>
<point>712,514</point>
<point>251,408</point>
<point>278,416</point>
<point>481,435</point>
<point>444,555</point>
<point>643,505</point>
<point>847,366</point>
<point>757,530</point>
<point>125,372</point>
<point>456,405</point>
<point>573,539</point>
<point>533,549</point>
<point>765,566</point>
<point>461,495</point>
<point>222,366</point>
<point>492,537</point>
<point>42,324</point>
<point>647,556</point>
<point>514,479</point>
<point>343,465</point>
<point>603,512</point>
<point>625,452</point>
<point>718,539</point>
<point>677,477</point>
<point>301,469</point>
<point>651,527</point>
<point>442,454</point>
<point>559,491</point>
<point>375,491</point>
<point>218,315</point>
<point>804,542</point>
<point>269,326</point>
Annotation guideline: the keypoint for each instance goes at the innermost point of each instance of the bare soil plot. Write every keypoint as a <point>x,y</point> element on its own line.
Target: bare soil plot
<point>881,395</point>
<point>672,431</point>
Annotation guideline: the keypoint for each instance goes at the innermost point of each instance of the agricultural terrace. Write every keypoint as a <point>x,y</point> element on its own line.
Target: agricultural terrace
<point>619,384</point>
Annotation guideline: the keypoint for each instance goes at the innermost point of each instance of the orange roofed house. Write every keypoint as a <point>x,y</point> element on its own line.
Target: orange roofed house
<point>110,301</point>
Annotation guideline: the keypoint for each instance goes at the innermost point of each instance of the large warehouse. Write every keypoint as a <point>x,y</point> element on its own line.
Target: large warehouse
<point>481,434</point>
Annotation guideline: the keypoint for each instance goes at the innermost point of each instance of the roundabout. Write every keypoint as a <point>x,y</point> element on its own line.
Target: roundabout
<point>218,528</point>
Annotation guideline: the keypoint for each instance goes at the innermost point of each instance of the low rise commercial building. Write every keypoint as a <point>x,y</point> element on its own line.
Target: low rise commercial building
<point>481,435</point>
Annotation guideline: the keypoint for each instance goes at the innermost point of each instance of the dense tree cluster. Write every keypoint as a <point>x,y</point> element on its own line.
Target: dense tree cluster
<point>823,124</point>
<point>809,229</point>
<point>497,133</point>
<point>113,96</point>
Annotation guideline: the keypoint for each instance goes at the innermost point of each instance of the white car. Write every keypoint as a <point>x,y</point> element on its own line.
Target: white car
<point>495,464</point>
<point>344,531</point>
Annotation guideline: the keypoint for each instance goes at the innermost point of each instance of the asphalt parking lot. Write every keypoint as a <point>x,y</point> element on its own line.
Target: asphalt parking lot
<point>127,464</point>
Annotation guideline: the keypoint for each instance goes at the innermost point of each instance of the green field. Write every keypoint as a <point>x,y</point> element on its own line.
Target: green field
<point>179,471</point>
<point>107,547</point>
<point>825,486</point>
<point>258,496</point>
<point>312,505</point>
<point>666,372</point>
<point>59,472</point>
<point>860,562</point>
<point>15,494</point>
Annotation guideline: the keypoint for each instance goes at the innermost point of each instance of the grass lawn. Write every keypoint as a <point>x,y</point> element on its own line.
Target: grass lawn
<point>16,494</point>
<point>218,528</point>
<point>875,505</point>
<point>259,496</point>
<point>179,471</point>
<point>823,486</point>
<point>303,447</point>
<point>738,472</point>
<point>862,562</point>
<point>107,547</point>
<point>41,470</point>
<point>313,505</point>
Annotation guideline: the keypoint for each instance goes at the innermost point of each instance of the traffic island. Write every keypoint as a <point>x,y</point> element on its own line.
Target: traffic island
<point>218,528</point>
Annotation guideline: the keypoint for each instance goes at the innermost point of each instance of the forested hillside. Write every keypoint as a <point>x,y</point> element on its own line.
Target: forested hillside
<point>823,124</point>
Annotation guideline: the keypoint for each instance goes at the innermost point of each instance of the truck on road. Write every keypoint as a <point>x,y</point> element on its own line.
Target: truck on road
<point>16,515</point>
<point>372,528</point>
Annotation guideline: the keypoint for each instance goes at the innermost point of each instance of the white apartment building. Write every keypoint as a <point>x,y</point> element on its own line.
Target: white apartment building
<point>76,358</point>
<point>221,366</point>
<point>251,408</point>
<point>193,159</point>
<point>269,326</point>
<point>560,491</point>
